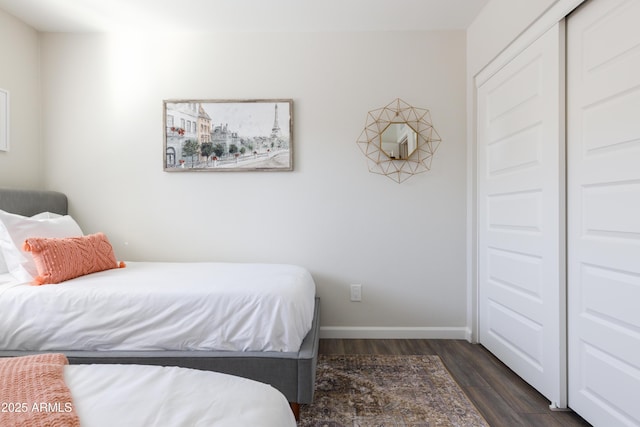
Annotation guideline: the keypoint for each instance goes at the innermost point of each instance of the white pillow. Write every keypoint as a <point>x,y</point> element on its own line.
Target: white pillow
<point>46,215</point>
<point>15,229</point>
<point>3,265</point>
<point>43,215</point>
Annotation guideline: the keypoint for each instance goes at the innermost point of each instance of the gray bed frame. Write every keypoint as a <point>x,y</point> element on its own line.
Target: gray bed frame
<point>293,373</point>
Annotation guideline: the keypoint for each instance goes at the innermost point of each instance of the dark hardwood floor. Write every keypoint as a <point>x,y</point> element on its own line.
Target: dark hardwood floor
<point>502,397</point>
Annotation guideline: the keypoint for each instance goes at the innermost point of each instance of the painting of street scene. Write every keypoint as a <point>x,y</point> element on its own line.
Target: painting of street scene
<point>242,135</point>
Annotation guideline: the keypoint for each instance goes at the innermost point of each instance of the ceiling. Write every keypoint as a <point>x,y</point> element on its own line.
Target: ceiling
<point>244,15</point>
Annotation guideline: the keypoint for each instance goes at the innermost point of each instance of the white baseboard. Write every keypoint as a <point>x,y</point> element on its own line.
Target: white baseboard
<point>468,335</point>
<point>382,332</point>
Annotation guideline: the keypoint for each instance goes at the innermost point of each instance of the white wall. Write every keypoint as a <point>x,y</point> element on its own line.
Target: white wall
<point>21,167</point>
<point>103,137</point>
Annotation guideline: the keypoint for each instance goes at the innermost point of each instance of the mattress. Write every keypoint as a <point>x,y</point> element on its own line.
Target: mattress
<point>152,306</point>
<point>134,395</point>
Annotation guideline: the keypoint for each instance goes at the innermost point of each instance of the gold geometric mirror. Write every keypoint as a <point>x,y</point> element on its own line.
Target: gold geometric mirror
<point>399,140</point>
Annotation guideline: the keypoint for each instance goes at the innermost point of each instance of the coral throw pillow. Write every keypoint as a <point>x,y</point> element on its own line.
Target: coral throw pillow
<point>60,259</point>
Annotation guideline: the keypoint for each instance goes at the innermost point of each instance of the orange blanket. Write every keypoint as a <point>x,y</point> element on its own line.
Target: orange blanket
<point>33,392</point>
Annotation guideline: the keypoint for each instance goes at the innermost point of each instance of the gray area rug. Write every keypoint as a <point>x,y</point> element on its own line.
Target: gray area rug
<point>398,391</point>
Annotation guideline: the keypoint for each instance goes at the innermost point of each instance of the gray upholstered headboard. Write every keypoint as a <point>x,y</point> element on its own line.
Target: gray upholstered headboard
<point>31,202</point>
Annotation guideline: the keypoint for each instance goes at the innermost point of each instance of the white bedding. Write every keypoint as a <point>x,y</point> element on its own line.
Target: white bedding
<point>151,306</point>
<point>143,396</point>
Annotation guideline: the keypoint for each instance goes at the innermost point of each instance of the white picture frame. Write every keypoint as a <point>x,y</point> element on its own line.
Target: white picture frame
<point>4,120</point>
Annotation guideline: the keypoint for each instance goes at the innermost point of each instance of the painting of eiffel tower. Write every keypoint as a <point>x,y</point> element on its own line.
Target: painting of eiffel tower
<point>228,135</point>
<point>275,131</point>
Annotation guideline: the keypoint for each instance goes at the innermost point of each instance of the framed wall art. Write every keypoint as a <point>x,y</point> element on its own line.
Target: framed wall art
<point>4,120</point>
<point>228,135</point>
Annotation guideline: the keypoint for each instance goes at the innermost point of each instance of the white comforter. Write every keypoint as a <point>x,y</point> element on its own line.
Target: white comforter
<point>146,396</point>
<point>151,306</point>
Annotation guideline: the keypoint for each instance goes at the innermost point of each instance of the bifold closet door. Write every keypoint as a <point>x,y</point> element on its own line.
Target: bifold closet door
<point>603,154</point>
<point>521,215</point>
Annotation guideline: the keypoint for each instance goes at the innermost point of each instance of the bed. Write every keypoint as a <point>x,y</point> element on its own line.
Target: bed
<point>45,390</point>
<point>289,370</point>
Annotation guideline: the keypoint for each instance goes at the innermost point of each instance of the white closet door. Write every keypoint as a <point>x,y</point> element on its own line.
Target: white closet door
<point>521,184</point>
<point>603,83</point>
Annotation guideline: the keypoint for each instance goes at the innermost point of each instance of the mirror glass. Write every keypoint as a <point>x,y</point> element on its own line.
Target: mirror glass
<point>398,141</point>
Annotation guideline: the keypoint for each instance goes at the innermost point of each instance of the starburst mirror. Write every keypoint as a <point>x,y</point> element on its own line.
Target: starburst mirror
<point>399,140</point>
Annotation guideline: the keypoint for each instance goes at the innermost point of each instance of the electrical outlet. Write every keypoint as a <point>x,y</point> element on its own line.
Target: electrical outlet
<point>356,293</point>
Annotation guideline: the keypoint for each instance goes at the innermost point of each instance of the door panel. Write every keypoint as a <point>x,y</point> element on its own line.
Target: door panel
<point>603,129</point>
<point>521,184</point>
